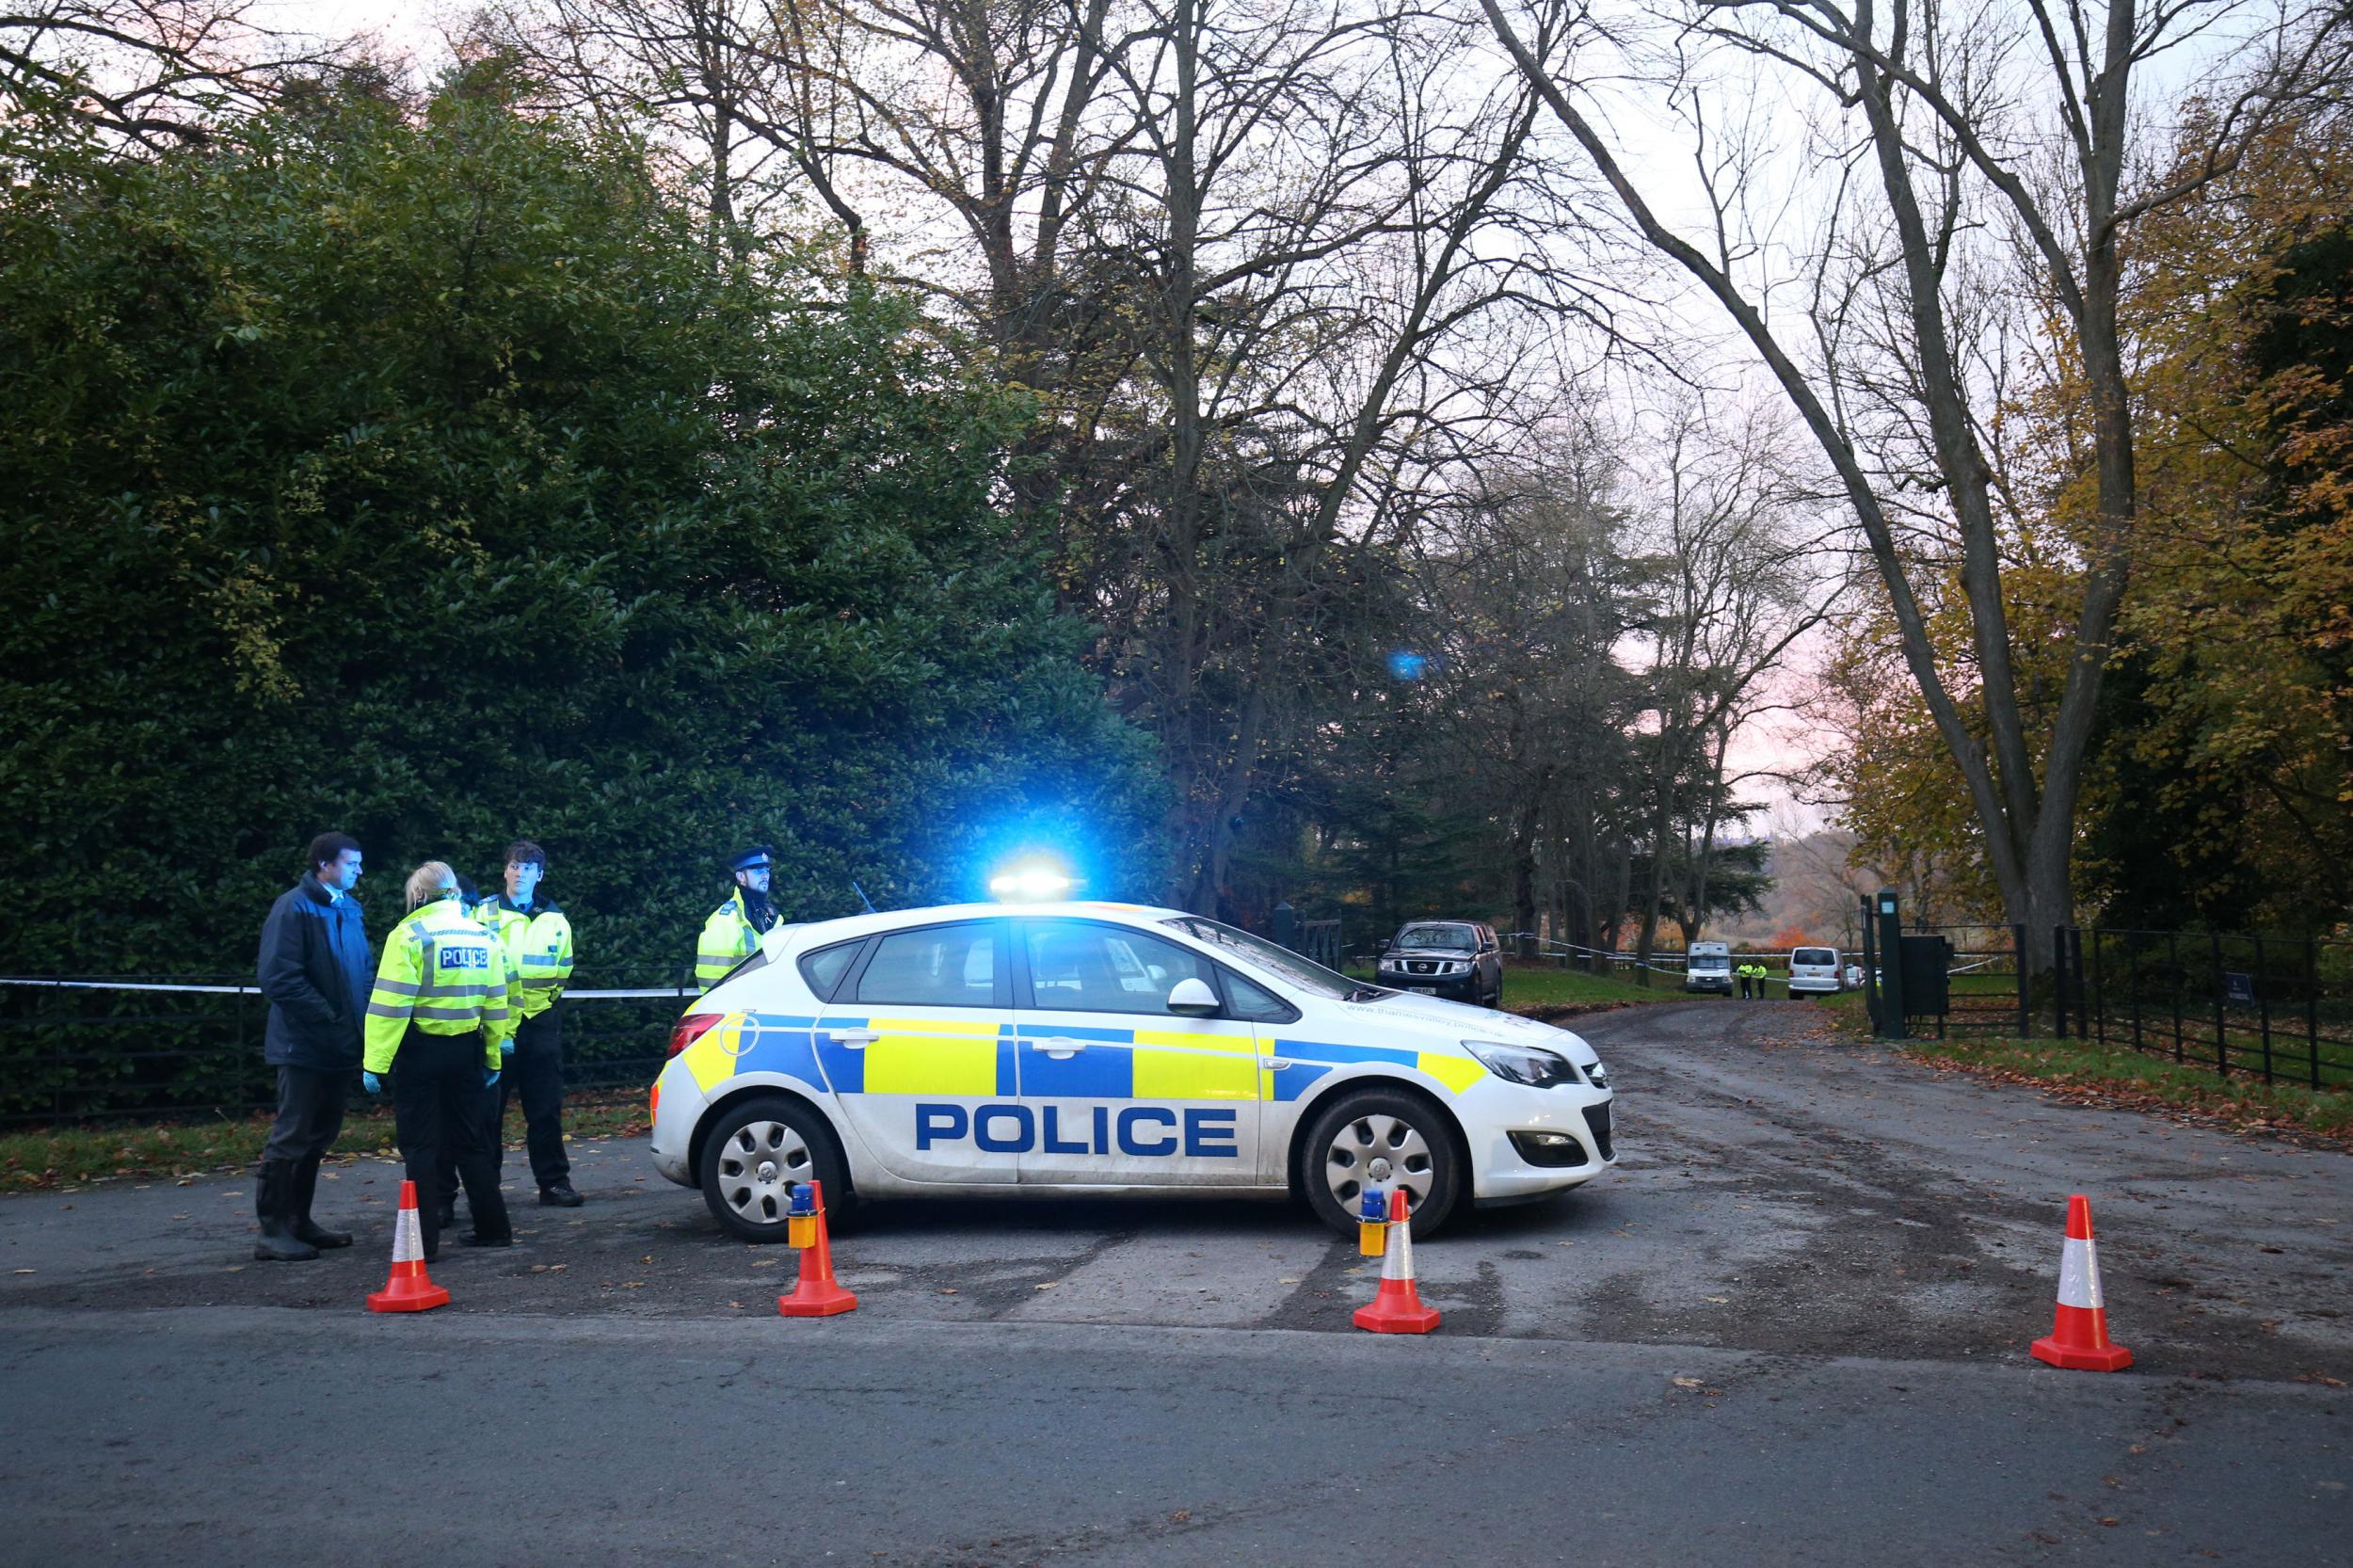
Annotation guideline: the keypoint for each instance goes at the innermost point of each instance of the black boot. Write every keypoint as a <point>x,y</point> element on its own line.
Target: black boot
<point>273,1202</point>
<point>306,1188</point>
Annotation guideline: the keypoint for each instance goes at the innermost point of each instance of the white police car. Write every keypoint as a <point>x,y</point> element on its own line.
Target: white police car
<point>1098,1049</point>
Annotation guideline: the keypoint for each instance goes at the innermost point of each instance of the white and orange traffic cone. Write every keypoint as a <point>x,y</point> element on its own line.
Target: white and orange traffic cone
<point>408,1289</point>
<point>2079,1335</point>
<point>1398,1310</point>
<point>818,1295</point>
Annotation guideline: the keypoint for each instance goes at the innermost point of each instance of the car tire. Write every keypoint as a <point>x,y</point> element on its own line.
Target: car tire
<point>757,1150</point>
<point>1336,1157</point>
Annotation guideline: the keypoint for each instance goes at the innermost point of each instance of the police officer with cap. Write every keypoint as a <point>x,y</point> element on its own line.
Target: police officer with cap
<point>733,931</point>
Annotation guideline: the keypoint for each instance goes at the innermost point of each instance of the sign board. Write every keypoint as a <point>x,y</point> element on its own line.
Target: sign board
<point>2238,987</point>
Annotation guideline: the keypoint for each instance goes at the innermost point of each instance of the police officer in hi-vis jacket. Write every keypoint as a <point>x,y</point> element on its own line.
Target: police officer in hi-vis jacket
<point>733,931</point>
<point>444,1003</point>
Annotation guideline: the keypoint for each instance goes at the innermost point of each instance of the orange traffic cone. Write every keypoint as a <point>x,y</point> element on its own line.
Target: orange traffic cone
<point>408,1289</point>
<point>817,1295</point>
<point>1398,1310</point>
<point>2079,1336</point>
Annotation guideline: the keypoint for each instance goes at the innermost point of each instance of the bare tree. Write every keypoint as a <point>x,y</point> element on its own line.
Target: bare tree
<point>150,73</point>
<point>1973,144</point>
<point>1342,237</point>
<point>1730,603</point>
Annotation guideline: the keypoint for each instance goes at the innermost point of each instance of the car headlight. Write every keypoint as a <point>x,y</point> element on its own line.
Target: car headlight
<point>1532,1065</point>
<point>1598,1074</point>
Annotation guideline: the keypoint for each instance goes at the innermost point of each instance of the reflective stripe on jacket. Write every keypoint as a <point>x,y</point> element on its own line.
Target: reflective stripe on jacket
<point>538,942</point>
<point>444,973</point>
<point>727,939</point>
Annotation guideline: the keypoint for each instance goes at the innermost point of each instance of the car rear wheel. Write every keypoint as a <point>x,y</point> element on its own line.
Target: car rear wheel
<point>1381,1138</point>
<point>756,1155</point>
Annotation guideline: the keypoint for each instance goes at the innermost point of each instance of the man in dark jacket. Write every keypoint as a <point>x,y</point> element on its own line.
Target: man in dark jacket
<point>315,969</point>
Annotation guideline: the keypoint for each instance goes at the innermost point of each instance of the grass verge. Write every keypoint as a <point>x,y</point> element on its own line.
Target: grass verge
<point>1542,987</point>
<point>2112,1075</point>
<point>59,1158</point>
<point>1532,987</point>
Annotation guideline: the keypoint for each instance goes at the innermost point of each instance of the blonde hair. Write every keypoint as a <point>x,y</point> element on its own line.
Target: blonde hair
<point>429,882</point>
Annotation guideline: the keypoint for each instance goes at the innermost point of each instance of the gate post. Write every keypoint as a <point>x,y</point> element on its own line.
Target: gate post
<point>1891,967</point>
<point>2222,1023</point>
<point>2026,999</point>
<point>2059,978</point>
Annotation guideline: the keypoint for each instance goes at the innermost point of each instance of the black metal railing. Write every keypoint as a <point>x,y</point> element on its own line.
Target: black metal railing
<point>2274,1008</point>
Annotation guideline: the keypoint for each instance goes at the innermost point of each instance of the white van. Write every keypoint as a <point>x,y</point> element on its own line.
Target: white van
<point>1709,968</point>
<point>1813,973</point>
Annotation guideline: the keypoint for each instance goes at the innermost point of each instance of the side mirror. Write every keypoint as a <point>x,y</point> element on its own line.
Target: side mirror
<point>1191,998</point>
<point>1380,944</point>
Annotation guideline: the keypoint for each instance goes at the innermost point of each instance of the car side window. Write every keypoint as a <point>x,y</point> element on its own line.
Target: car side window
<point>1254,1004</point>
<point>1078,966</point>
<point>934,965</point>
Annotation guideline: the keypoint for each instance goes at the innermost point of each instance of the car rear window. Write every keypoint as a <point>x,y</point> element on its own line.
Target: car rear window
<point>1815,955</point>
<point>824,967</point>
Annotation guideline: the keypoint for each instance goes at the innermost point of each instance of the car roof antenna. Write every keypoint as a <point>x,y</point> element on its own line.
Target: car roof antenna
<point>863,898</point>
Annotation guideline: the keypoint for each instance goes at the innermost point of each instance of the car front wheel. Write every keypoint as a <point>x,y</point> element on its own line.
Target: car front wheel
<point>1381,1138</point>
<point>756,1155</point>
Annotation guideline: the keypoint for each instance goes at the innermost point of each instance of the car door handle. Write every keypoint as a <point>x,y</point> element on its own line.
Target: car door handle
<point>855,1039</point>
<point>1057,1046</point>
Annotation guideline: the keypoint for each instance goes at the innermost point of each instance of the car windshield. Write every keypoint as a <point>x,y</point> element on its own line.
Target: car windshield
<point>1710,961</point>
<point>1450,937</point>
<point>1268,958</point>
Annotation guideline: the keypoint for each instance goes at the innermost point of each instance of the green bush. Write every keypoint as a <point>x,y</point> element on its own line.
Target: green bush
<point>427,479</point>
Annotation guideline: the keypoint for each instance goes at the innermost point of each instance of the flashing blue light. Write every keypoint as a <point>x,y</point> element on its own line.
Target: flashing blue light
<point>1405,665</point>
<point>1031,881</point>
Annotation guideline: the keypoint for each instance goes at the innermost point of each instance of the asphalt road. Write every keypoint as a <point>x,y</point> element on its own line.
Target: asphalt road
<point>1790,1327</point>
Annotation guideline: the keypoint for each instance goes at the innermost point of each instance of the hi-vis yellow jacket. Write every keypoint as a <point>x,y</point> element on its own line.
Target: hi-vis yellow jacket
<point>443,972</point>
<point>729,938</point>
<point>538,943</point>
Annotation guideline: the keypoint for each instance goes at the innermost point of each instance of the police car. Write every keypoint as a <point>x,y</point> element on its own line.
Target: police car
<point>1099,1049</point>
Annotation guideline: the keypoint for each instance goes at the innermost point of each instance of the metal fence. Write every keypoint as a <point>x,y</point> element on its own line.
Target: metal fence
<point>2274,1008</point>
<point>2278,1009</point>
<point>163,1046</point>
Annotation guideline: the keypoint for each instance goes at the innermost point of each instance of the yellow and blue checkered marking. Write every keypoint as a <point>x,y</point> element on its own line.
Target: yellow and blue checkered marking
<point>983,1058</point>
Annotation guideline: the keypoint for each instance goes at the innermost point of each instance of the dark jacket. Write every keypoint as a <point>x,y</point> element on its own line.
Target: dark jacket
<point>315,969</point>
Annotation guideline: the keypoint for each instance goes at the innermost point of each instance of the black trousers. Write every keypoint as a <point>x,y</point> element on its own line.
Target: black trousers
<point>310,1114</point>
<point>536,1074</point>
<point>441,1104</point>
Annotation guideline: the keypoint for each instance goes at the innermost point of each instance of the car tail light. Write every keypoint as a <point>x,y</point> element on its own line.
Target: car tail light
<point>653,1103</point>
<point>690,1028</point>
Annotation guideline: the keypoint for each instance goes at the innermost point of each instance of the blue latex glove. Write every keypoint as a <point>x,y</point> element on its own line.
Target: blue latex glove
<point>372,1083</point>
<point>490,1078</point>
<point>506,1048</point>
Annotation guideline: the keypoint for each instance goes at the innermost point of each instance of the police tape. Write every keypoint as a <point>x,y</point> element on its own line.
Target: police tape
<point>1628,960</point>
<point>675,993</point>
